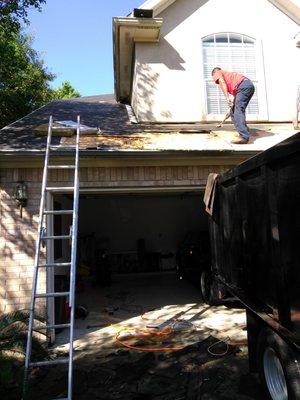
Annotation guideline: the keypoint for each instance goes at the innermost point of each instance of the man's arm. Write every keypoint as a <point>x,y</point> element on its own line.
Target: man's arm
<point>225,92</point>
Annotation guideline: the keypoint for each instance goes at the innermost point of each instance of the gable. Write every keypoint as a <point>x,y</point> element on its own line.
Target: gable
<point>288,7</point>
<point>130,31</point>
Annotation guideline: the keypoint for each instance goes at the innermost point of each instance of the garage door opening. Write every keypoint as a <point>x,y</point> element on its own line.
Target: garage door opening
<point>129,248</point>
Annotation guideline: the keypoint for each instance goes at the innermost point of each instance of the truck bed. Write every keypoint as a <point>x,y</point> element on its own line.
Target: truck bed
<point>255,235</point>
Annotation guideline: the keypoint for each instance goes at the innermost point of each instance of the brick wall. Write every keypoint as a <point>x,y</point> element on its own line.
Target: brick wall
<point>18,235</point>
<point>17,241</point>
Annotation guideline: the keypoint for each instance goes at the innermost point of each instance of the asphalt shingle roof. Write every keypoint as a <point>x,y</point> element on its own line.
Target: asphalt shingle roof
<point>118,133</point>
<point>95,111</point>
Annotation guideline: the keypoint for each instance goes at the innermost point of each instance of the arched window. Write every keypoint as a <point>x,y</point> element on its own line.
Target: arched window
<point>231,52</point>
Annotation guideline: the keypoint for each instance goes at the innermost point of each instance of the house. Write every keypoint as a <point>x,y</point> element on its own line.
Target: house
<point>165,71</point>
<point>142,175</point>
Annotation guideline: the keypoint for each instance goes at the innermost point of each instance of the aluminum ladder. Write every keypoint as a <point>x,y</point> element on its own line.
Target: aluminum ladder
<point>71,264</point>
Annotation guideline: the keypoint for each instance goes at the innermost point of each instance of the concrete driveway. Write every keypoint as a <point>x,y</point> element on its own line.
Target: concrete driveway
<point>204,356</point>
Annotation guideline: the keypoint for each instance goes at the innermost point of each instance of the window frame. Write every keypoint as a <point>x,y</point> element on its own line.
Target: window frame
<point>259,73</point>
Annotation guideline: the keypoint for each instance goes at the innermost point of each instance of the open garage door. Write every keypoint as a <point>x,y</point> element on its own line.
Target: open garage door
<point>131,237</point>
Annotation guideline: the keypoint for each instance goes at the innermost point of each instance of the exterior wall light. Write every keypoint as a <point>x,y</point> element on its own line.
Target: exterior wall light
<point>21,195</point>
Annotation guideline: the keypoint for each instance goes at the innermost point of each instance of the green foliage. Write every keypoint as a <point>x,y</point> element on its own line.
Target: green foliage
<point>14,11</point>
<point>9,375</point>
<point>13,337</point>
<point>24,79</point>
<point>13,334</point>
<point>66,91</point>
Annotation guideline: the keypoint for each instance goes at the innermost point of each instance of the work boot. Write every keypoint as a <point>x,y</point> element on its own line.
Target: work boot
<point>239,140</point>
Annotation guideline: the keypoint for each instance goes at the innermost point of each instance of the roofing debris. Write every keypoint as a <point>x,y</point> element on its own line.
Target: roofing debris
<point>64,128</point>
<point>204,365</point>
<point>215,140</point>
<point>107,142</point>
<point>57,130</point>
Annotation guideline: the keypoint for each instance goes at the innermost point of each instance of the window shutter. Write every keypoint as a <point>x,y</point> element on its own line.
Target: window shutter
<point>231,52</point>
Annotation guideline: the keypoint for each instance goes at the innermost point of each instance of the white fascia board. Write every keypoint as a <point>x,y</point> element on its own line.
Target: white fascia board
<point>126,32</point>
<point>136,23</point>
<point>289,8</point>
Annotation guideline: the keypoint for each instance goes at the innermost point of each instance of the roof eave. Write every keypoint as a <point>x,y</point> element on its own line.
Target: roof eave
<point>288,8</point>
<point>126,32</point>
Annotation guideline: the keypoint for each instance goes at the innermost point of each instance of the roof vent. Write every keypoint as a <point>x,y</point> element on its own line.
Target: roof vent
<point>142,13</point>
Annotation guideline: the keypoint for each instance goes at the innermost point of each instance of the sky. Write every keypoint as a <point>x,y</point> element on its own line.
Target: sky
<point>74,37</point>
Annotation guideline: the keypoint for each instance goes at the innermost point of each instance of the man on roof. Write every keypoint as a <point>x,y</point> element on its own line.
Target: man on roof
<point>242,89</point>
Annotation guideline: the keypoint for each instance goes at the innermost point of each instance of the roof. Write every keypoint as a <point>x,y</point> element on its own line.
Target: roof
<point>120,135</point>
<point>288,7</point>
<point>288,149</point>
<point>95,111</point>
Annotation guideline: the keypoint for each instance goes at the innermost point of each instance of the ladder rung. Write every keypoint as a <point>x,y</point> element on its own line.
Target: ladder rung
<point>57,237</point>
<point>59,146</point>
<point>49,362</point>
<point>55,294</point>
<point>60,188</point>
<point>58,212</point>
<point>61,166</point>
<point>50,265</point>
<point>57,326</point>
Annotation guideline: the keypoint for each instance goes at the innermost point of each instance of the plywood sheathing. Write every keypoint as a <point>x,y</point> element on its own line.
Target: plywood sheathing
<point>218,139</point>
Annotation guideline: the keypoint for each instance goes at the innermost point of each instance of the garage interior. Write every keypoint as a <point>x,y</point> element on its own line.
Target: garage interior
<point>141,302</point>
<point>125,240</point>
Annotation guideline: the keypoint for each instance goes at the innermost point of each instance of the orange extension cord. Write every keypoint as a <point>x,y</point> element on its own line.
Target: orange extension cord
<point>161,333</point>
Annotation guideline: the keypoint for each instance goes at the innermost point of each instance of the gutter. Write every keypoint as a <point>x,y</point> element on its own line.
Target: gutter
<point>97,158</point>
<point>125,153</point>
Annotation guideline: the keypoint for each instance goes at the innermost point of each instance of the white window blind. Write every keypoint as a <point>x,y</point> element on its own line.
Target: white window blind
<point>231,52</point>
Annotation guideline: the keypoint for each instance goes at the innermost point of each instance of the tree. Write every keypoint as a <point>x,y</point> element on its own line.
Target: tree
<point>14,11</point>
<point>66,91</point>
<point>24,79</point>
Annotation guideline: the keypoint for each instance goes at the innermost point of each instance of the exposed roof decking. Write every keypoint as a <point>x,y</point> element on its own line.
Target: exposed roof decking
<point>216,140</point>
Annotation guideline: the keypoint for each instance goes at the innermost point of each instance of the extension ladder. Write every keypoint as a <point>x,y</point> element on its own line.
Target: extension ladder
<point>43,237</point>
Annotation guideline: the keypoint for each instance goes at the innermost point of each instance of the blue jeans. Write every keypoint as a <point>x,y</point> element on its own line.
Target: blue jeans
<point>244,93</point>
